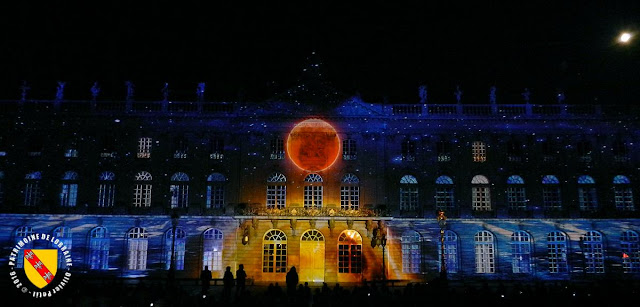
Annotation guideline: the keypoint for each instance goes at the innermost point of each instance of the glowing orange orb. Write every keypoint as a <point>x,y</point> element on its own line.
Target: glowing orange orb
<point>313,145</point>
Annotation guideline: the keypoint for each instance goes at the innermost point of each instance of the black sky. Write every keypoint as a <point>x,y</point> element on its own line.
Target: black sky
<point>380,49</point>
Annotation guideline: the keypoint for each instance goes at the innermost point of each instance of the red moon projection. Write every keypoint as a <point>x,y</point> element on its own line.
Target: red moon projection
<point>313,145</point>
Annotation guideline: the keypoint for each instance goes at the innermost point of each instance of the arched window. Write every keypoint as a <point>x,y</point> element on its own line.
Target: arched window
<point>178,248</point>
<point>179,189</point>
<point>622,193</point>
<point>630,246</point>
<point>587,197</point>
<point>445,200</point>
<point>349,252</point>
<point>32,193</point>
<point>521,252</point>
<point>350,192</point>
<point>411,252</point>
<point>99,244</point>
<point>593,251</point>
<point>480,192</point>
<point>551,193</point>
<point>408,193</point>
<point>215,190</point>
<point>276,191</point>
<point>106,190</point>
<point>485,252</point>
<point>137,245</point>
<point>450,251</point>
<point>516,197</point>
<point>557,252</point>
<point>64,235</point>
<point>142,190</point>
<point>274,252</point>
<point>313,191</point>
<point>479,151</point>
<point>22,232</point>
<point>69,191</point>
<point>212,245</point>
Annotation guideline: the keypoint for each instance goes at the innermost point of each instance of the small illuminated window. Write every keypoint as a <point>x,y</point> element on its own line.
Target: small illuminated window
<point>479,151</point>
<point>216,151</point>
<point>144,147</point>
<point>408,150</point>
<point>443,150</point>
<point>349,150</point>
<point>277,149</point>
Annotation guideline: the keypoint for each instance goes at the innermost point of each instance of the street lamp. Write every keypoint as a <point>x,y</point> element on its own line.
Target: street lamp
<point>380,239</point>
<point>442,222</point>
<point>172,266</point>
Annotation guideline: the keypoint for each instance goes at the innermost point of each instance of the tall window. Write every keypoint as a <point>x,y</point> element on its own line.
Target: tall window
<point>212,249</point>
<point>313,191</point>
<point>69,190</point>
<point>179,190</point>
<point>277,149</point>
<point>64,235</point>
<point>479,151</point>
<point>593,251</point>
<point>276,191</point>
<point>349,150</point>
<point>481,200</point>
<point>408,193</point>
<point>549,150</point>
<point>587,197</point>
<point>584,151</point>
<point>180,148</point>
<point>443,150</point>
<point>32,193</point>
<point>106,190</point>
<point>411,252</point>
<point>137,244</point>
<point>178,248</point>
<point>622,193</point>
<point>408,150</point>
<point>350,192</point>
<point>620,151</point>
<point>99,248</point>
<point>142,190</point>
<point>144,147</point>
<point>349,252</point>
<point>557,252</point>
<point>521,252</point>
<point>216,151</point>
<point>551,193</point>
<point>444,194</point>
<point>450,251</point>
<point>274,252</point>
<point>215,191</point>
<point>630,246</point>
<point>485,252</point>
<point>516,197</point>
<point>21,233</point>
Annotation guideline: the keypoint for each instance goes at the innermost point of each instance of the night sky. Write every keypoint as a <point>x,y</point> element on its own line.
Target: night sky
<point>382,50</point>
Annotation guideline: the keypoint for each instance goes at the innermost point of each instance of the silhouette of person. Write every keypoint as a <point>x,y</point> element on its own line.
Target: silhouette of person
<point>227,281</point>
<point>292,281</point>
<point>241,277</point>
<point>205,278</point>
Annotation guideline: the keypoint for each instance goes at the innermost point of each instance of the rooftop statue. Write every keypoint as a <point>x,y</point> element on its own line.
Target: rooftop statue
<point>200,91</point>
<point>492,95</point>
<point>422,91</point>
<point>458,94</point>
<point>526,95</point>
<point>165,92</point>
<point>25,89</point>
<point>95,91</point>
<point>129,85</point>
<point>60,91</point>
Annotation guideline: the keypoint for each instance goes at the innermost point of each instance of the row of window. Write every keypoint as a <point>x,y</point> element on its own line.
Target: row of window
<point>274,246</point>
<point>276,192</point>
<point>521,254</point>
<point>514,150</point>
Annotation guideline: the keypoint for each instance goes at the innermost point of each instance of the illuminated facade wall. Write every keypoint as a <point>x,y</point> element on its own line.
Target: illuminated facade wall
<point>530,192</point>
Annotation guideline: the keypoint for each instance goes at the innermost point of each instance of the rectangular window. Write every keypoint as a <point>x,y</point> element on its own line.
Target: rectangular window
<point>349,197</point>
<point>217,149</point>
<point>444,198</point>
<point>443,150</point>
<point>179,195</point>
<point>594,257</point>
<point>516,198</point>
<point>276,196</point>
<point>521,257</point>
<point>587,199</point>
<point>106,195</point>
<point>484,258</point>
<point>69,195</point>
<point>557,257</point>
<point>551,198</point>
<point>481,199</point>
<point>274,258</point>
<point>142,195</point>
<point>408,198</point>
<point>479,152</point>
<point>411,257</point>
<point>215,196</point>
<point>313,196</point>
<point>277,149</point>
<point>408,151</point>
<point>99,254</point>
<point>144,147</point>
<point>137,254</point>
<point>623,197</point>
<point>32,194</point>
<point>349,150</point>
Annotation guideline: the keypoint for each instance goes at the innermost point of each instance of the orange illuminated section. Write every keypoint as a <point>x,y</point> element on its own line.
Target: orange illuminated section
<point>313,145</point>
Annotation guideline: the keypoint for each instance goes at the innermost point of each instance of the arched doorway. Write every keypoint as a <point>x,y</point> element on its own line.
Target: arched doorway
<point>311,256</point>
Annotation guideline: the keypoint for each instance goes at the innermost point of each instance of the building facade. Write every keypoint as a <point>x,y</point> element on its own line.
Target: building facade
<point>345,191</point>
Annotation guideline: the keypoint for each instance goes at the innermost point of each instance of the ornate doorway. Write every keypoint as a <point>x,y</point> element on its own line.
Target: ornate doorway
<point>311,256</point>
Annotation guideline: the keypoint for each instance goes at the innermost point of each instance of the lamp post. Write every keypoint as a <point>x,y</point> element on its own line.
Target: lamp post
<point>442,222</point>
<point>172,267</point>
<point>380,239</point>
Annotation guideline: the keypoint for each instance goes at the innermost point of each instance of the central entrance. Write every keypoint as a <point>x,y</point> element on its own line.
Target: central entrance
<point>311,257</point>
